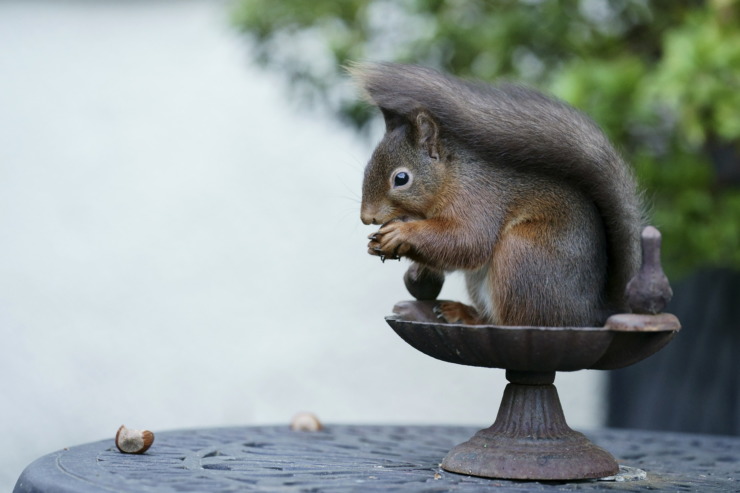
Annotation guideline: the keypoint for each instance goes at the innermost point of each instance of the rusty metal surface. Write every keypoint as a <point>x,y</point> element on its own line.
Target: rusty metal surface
<point>635,322</point>
<point>512,348</point>
<point>628,348</point>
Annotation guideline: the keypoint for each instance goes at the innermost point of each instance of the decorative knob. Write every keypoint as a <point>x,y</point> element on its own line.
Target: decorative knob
<point>649,291</point>
<point>423,283</point>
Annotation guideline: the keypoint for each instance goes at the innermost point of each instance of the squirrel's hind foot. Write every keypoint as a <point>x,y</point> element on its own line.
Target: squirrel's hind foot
<point>454,312</point>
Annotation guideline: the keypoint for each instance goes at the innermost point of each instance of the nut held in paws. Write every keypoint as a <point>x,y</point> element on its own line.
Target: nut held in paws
<point>133,441</point>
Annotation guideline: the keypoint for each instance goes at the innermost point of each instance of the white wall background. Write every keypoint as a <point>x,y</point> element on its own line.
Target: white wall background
<point>181,248</point>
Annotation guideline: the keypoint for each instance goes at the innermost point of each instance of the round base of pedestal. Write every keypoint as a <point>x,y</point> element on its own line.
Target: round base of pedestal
<point>530,440</point>
<point>491,455</point>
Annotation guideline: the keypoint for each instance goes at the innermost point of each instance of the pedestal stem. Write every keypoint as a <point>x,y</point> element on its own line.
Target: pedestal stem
<point>531,411</point>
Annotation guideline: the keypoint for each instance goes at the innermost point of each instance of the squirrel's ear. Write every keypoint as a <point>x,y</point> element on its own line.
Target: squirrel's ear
<point>427,134</point>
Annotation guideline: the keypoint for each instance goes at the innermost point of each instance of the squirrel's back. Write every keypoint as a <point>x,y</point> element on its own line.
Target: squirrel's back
<point>512,126</point>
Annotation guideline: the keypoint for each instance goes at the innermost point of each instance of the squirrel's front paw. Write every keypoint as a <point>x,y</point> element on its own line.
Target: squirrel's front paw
<point>390,241</point>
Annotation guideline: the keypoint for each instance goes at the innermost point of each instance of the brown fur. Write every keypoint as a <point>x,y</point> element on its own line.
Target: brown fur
<point>522,193</point>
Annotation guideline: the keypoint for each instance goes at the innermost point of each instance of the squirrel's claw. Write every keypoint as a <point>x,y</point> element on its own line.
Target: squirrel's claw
<point>385,244</point>
<point>384,257</point>
<point>438,312</point>
<point>379,252</point>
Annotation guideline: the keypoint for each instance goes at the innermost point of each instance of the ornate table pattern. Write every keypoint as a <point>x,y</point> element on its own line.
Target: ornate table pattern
<point>360,458</point>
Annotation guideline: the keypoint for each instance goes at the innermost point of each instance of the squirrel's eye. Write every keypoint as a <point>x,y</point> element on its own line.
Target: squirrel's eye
<point>401,179</point>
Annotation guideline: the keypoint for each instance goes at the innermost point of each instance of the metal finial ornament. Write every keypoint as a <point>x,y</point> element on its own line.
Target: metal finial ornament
<point>649,291</point>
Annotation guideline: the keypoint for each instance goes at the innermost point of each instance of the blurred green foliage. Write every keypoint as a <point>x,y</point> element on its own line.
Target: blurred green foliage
<point>662,77</point>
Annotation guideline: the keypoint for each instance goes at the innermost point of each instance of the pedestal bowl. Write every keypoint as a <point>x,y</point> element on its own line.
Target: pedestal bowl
<point>530,438</point>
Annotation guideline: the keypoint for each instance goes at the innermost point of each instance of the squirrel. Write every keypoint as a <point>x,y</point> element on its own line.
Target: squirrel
<point>521,192</point>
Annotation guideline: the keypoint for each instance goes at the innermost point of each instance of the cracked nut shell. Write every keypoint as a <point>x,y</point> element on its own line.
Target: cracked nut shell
<point>133,441</point>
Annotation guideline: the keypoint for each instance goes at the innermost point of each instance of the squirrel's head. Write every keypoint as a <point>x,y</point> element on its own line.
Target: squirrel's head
<point>406,170</point>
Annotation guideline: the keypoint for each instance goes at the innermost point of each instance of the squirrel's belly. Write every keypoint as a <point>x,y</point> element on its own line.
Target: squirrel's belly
<point>479,287</point>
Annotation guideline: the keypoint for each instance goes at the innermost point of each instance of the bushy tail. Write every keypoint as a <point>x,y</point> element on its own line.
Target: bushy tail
<point>514,126</point>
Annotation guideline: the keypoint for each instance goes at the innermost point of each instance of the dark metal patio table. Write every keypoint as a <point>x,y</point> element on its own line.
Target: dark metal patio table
<point>360,458</point>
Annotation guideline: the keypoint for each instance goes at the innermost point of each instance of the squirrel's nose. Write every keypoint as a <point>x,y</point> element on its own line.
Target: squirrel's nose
<point>368,214</point>
<point>367,219</point>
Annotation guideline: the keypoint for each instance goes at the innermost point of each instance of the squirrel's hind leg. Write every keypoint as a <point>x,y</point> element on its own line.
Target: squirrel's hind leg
<point>548,276</point>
